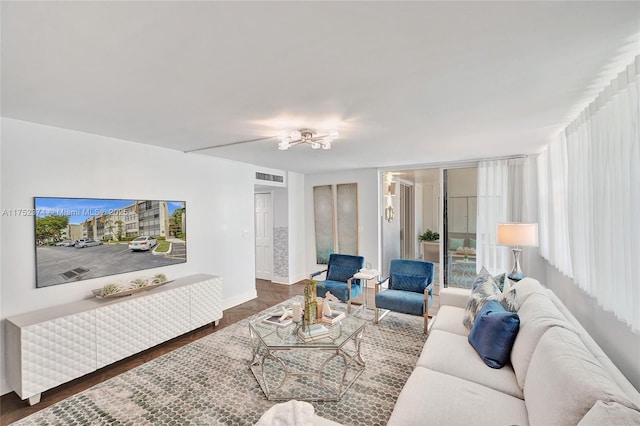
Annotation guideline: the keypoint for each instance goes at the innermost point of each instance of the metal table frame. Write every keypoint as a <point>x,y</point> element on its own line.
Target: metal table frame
<point>287,352</point>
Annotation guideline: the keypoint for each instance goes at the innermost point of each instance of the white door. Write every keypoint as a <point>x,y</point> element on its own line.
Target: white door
<point>264,236</point>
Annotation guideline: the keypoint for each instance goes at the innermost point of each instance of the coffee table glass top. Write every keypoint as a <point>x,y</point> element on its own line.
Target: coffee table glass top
<point>275,337</point>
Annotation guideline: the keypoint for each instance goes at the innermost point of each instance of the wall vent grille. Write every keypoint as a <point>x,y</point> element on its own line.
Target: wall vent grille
<point>269,178</point>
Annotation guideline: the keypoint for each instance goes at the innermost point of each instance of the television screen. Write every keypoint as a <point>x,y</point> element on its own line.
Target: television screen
<point>82,238</point>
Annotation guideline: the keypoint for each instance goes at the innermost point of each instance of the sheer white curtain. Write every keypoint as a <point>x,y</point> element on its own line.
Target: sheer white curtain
<point>597,160</point>
<point>501,198</point>
<point>553,205</point>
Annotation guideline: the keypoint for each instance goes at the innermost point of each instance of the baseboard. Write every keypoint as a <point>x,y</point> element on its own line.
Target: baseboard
<point>4,387</point>
<point>281,280</point>
<point>240,299</point>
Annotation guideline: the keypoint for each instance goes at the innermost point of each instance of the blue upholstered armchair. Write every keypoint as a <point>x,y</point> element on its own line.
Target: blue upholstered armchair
<point>340,269</point>
<point>410,289</point>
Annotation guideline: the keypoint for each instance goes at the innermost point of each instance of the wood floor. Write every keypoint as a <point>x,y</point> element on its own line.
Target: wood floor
<point>269,294</point>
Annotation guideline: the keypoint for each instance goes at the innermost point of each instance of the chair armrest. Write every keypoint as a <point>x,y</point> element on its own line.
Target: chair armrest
<point>315,274</point>
<point>454,297</point>
<point>382,281</point>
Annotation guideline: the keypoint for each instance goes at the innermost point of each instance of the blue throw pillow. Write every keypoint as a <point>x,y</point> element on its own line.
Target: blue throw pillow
<point>340,273</point>
<point>408,282</point>
<point>493,334</point>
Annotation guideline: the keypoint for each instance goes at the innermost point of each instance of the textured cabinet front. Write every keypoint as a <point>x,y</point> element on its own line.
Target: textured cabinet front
<point>122,329</point>
<point>168,315</point>
<point>52,346</point>
<point>57,351</point>
<point>206,302</point>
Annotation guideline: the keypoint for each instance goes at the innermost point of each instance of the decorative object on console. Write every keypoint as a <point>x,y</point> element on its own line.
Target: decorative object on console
<point>493,333</point>
<point>139,284</point>
<point>70,232</point>
<point>517,235</point>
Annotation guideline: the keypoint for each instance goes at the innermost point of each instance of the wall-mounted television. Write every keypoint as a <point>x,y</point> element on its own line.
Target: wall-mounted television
<point>83,238</point>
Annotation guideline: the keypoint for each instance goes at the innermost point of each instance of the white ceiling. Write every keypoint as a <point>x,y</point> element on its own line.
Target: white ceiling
<point>405,83</point>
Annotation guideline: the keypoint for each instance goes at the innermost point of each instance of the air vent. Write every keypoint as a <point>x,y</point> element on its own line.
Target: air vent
<point>269,178</point>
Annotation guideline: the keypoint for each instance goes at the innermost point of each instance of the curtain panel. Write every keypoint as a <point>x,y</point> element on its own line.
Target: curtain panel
<point>589,199</point>
<point>501,198</point>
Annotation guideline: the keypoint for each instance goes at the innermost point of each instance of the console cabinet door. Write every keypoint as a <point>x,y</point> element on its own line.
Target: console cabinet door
<point>57,351</point>
<point>122,329</point>
<point>168,315</point>
<point>206,302</point>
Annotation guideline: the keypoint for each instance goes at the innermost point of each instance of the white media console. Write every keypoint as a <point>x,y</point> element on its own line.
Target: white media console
<point>48,347</point>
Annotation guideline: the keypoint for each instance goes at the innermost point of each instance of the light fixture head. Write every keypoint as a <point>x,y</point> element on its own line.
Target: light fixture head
<point>308,136</point>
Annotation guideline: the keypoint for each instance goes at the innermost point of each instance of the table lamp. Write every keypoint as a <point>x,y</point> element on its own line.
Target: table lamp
<point>517,235</point>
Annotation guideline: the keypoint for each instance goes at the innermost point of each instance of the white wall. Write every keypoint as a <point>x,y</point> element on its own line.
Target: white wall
<point>39,160</point>
<point>297,224</point>
<point>367,180</point>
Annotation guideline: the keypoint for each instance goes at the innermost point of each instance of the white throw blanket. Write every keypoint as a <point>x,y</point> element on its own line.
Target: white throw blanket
<point>290,413</point>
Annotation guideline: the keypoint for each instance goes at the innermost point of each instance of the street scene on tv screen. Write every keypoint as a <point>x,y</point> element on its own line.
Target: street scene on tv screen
<point>83,238</point>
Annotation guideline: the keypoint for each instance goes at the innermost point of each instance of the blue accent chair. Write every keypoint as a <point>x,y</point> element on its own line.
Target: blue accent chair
<point>340,269</point>
<point>410,289</point>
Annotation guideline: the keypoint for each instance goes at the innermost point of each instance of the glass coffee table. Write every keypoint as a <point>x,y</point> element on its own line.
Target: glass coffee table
<point>287,368</point>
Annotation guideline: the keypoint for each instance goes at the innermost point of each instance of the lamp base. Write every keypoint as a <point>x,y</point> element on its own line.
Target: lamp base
<point>516,274</point>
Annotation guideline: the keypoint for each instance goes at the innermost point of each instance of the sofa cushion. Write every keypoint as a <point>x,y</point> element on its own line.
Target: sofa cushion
<point>565,380</point>
<point>537,315</point>
<point>610,414</point>
<point>338,289</point>
<point>431,397</point>
<point>527,286</point>
<point>449,319</point>
<point>493,334</point>
<point>407,302</point>
<point>453,296</point>
<point>452,354</point>
<point>488,290</point>
<point>405,282</point>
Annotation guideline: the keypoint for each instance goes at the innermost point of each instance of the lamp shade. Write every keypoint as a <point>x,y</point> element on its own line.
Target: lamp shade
<point>518,234</point>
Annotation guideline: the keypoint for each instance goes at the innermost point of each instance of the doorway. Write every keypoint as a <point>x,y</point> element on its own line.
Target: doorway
<point>263,203</point>
<point>407,222</point>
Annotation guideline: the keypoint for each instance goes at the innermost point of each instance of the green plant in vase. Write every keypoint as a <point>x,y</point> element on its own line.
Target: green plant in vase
<point>139,283</point>
<point>109,289</point>
<point>159,278</point>
<point>429,235</point>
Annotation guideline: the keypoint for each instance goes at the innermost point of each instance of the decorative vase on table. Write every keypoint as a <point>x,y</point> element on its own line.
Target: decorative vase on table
<point>310,303</point>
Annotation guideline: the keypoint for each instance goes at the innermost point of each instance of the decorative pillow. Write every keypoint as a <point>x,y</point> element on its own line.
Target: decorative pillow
<point>493,334</point>
<point>481,277</point>
<point>456,243</point>
<point>488,290</point>
<point>479,295</point>
<point>472,243</point>
<point>340,273</point>
<point>408,282</point>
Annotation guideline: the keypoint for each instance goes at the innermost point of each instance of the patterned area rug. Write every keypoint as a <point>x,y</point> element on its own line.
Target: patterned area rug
<point>208,382</point>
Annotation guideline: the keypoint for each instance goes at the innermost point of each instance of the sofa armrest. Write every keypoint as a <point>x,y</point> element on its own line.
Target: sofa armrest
<point>454,297</point>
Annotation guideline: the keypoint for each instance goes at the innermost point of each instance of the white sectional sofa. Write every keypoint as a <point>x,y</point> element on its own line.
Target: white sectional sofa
<point>557,375</point>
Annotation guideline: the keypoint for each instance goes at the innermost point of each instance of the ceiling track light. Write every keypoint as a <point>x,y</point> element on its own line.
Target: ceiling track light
<point>306,136</point>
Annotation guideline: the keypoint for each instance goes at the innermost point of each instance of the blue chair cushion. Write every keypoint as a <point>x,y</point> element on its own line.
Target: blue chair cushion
<point>338,289</point>
<point>340,273</point>
<point>493,334</point>
<point>407,282</point>
<point>407,302</point>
